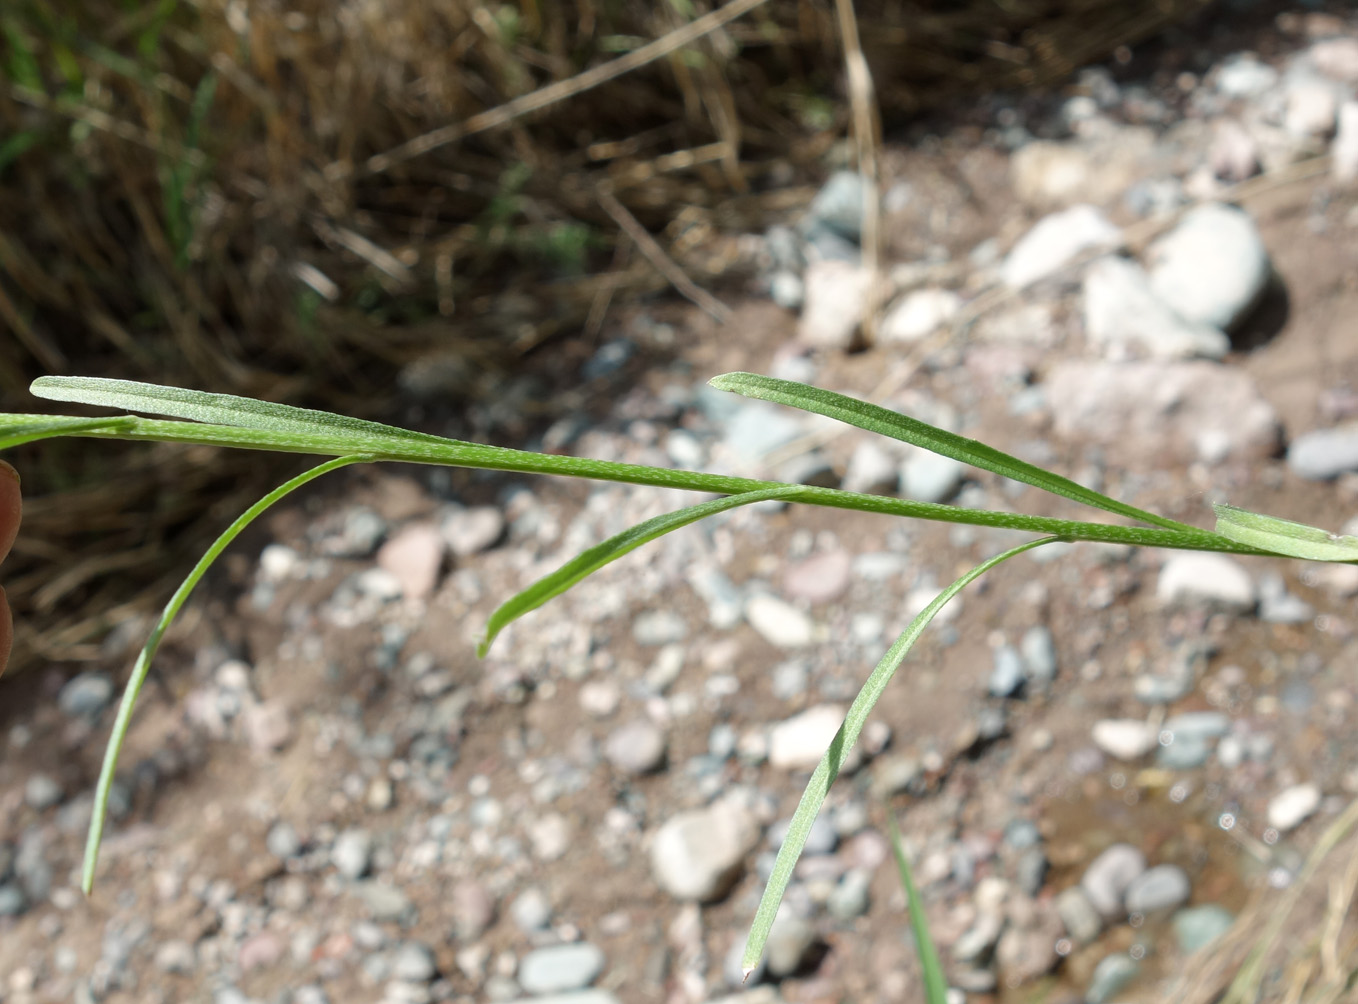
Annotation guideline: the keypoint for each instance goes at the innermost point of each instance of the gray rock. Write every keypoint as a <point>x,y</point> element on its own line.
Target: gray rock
<point>85,695</point>
<point>697,855</point>
<point>1021,834</point>
<point>835,292</point>
<point>1077,913</point>
<point>1031,871</point>
<point>31,869</point>
<point>658,627</point>
<point>1111,976</point>
<point>470,531</point>
<point>414,962</point>
<point>871,469</point>
<point>1183,753</point>
<point>352,853</point>
<point>1245,76</point>
<point>1121,312</point>
<point>42,792</point>
<point>1212,268</point>
<point>1160,888</point>
<point>757,428</point>
<point>725,604</point>
<point>282,841</point>
<point>531,910</point>
<point>1055,241</point>
<point>636,748</point>
<point>978,941</point>
<point>1325,453</point>
<point>384,902</point>
<point>1156,412</point>
<point>175,956</point>
<point>787,289</point>
<point>1198,926</point>
<point>1202,725</point>
<point>362,531</point>
<point>838,206</point>
<point>790,939</point>
<point>785,248</point>
<point>1202,577</point>
<point>1278,606</point>
<point>1106,879</point>
<point>822,838</point>
<point>852,896</point>
<point>12,901</point>
<point>1007,677</point>
<point>559,968</point>
<point>930,477</point>
<point>1039,656</point>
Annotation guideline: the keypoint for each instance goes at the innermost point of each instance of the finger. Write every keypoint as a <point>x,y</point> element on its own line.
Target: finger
<point>6,631</point>
<point>11,507</point>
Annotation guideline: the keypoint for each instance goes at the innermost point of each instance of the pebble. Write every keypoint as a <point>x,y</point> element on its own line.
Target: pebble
<point>757,428</point>
<point>636,748</point>
<point>1077,913</point>
<point>1186,752</point>
<point>559,968</point>
<point>790,939</point>
<point>1160,888</point>
<point>787,289</point>
<point>471,531</point>
<point>917,315</point>
<point>838,206</point>
<point>1112,975</point>
<point>799,742</point>
<point>414,962</point>
<point>531,910</point>
<point>822,838</point>
<point>1106,879</point>
<point>600,698</point>
<point>834,294</point>
<point>267,726</point>
<point>1212,268</point>
<point>577,997</point>
<point>931,477</point>
<point>384,902</point>
<point>413,557</point>
<point>282,841</point>
<point>473,909</point>
<point>1007,677</point>
<point>978,941</point>
<point>1190,577</point>
<point>1156,411</point>
<point>1344,149</point>
<point>778,622</point>
<point>12,901</point>
<point>1039,656</point>
<point>352,853</point>
<point>175,956</point>
<point>697,855</point>
<point>822,578</point>
<point>1324,454</point>
<point>1245,76</point>
<point>1291,806</point>
<point>1310,106</point>
<point>1030,873</point>
<point>42,792</point>
<point>1055,241</point>
<point>1198,926</point>
<point>654,628</point>
<point>1198,725</point>
<point>85,695</point>
<point>1121,312</point>
<point>871,470</point>
<point>852,896</point>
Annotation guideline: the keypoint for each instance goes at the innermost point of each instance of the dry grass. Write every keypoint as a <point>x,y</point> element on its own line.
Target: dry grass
<point>299,201</point>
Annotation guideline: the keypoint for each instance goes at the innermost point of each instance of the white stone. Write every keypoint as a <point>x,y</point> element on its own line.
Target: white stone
<point>697,855</point>
<point>1212,268</point>
<point>1291,806</point>
<point>469,531</point>
<point>1205,577</point>
<point>835,292</point>
<point>1337,58</point>
<point>1311,108</point>
<point>1124,738</point>
<point>1121,312</point>
<point>1344,150</point>
<point>931,477</point>
<point>798,743</point>
<point>779,622</point>
<point>1244,76</point>
<point>918,314</point>
<point>1055,241</point>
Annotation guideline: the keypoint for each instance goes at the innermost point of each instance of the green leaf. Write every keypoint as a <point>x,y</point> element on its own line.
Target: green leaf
<point>935,983</point>
<point>16,430</point>
<point>886,422</point>
<point>590,561</point>
<point>1281,536</point>
<point>148,652</point>
<point>828,769</point>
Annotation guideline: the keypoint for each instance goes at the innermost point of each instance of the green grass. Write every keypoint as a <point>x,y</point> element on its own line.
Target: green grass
<point>225,420</point>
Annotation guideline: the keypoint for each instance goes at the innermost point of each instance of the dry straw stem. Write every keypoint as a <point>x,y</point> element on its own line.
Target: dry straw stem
<point>552,93</point>
<point>866,134</point>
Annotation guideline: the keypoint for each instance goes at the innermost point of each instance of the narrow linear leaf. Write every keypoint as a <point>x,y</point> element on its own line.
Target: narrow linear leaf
<point>828,769</point>
<point>935,983</point>
<point>886,422</point>
<point>1282,536</point>
<point>148,652</point>
<point>15,430</point>
<point>213,409</point>
<point>590,561</point>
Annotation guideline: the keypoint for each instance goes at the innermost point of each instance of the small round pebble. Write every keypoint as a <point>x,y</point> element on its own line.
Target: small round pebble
<point>85,695</point>
<point>1291,806</point>
<point>352,853</point>
<point>42,792</point>
<point>531,910</point>
<point>636,748</point>
<point>1201,925</point>
<point>560,968</point>
<point>1106,879</point>
<point>414,962</point>
<point>283,841</point>
<point>1160,888</point>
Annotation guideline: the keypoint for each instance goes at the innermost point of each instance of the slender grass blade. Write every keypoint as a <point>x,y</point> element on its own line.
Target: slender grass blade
<point>935,983</point>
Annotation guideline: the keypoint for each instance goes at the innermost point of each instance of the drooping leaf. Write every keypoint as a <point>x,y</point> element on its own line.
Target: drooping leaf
<point>148,653</point>
<point>595,558</point>
<point>1282,536</point>
<point>885,422</point>
<point>828,769</point>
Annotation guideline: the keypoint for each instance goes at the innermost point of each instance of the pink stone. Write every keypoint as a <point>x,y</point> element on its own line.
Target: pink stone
<point>267,726</point>
<point>260,951</point>
<point>413,557</point>
<point>821,578</point>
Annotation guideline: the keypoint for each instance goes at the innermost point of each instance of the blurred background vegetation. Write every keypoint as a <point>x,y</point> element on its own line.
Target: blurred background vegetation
<point>223,194</point>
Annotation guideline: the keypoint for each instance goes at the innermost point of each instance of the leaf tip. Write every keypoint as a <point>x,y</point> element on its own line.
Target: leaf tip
<point>745,973</point>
